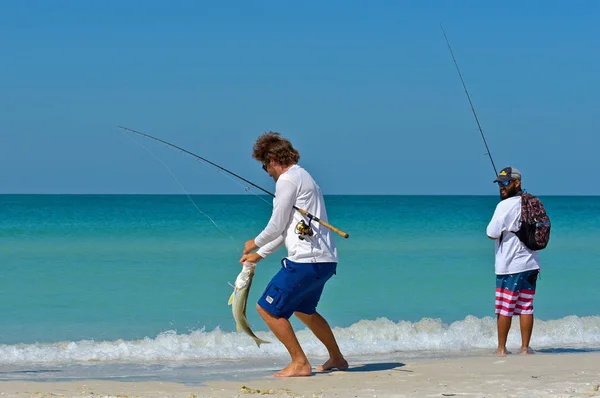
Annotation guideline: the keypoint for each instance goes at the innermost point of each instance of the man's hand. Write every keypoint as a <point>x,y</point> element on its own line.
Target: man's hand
<point>249,246</point>
<point>251,257</point>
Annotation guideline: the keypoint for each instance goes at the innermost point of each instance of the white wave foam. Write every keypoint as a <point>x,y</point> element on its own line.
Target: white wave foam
<point>380,336</point>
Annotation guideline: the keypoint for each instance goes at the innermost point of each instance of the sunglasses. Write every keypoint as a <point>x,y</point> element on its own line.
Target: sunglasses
<point>265,165</point>
<point>504,183</point>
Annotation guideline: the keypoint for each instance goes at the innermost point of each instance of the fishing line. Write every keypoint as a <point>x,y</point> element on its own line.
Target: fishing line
<point>305,213</point>
<point>246,188</point>
<point>181,185</point>
<point>470,103</point>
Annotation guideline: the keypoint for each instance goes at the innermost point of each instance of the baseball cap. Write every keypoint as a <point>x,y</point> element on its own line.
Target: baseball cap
<point>507,174</point>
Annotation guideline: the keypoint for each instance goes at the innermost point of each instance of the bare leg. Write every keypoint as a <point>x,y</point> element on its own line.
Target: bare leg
<point>319,326</point>
<point>282,329</point>
<point>526,323</point>
<point>503,328</point>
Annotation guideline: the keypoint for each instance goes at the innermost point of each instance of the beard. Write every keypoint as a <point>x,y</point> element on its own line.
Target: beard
<point>508,192</point>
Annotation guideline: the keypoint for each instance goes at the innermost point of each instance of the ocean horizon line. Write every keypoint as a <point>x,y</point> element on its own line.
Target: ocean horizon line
<point>263,194</point>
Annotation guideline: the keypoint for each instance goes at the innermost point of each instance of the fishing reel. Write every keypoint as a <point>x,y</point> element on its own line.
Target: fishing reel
<point>303,230</point>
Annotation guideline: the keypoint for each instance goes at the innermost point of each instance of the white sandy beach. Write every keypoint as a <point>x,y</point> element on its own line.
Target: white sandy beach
<point>540,375</point>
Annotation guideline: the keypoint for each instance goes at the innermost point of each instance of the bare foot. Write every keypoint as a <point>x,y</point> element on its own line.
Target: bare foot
<point>502,352</point>
<point>338,363</point>
<point>526,351</point>
<point>295,370</point>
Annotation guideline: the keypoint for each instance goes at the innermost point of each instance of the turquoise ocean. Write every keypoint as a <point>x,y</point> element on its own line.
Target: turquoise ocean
<point>135,287</point>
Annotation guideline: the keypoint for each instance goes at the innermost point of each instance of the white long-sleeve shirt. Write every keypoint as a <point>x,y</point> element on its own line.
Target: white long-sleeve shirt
<point>297,188</point>
<point>512,256</point>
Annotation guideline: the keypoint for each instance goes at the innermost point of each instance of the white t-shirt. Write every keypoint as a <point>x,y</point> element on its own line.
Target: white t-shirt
<point>296,187</point>
<point>512,256</point>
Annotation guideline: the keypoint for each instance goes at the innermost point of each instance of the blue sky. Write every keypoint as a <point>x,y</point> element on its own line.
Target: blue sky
<point>367,92</point>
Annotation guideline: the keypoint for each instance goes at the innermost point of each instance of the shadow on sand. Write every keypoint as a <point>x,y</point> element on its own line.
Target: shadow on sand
<point>371,367</point>
<point>567,350</point>
<point>375,367</point>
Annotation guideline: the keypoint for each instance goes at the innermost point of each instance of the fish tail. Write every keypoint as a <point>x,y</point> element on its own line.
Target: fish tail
<point>260,341</point>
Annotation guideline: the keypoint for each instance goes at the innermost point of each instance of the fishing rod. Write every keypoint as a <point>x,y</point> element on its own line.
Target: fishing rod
<point>301,211</point>
<point>470,103</point>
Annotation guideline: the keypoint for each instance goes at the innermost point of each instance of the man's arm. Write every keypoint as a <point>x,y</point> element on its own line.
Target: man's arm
<point>496,226</point>
<point>262,252</point>
<point>283,206</point>
<point>271,247</point>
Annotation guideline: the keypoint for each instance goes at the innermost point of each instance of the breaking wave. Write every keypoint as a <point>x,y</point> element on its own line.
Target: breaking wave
<point>366,337</point>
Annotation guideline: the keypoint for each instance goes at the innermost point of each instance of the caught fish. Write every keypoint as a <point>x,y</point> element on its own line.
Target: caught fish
<point>238,300</point>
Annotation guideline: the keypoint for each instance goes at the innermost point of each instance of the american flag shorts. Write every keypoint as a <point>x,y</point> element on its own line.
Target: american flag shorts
<point>515,292</point>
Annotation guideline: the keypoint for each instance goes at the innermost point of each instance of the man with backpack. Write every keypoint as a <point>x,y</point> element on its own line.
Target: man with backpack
<point>518,222</point>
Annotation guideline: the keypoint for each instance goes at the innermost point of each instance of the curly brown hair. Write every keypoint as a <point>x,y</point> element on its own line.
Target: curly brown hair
<point>272,146</point>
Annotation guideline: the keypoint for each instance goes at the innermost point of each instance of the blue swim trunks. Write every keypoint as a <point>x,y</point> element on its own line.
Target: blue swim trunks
<point>296,287</point>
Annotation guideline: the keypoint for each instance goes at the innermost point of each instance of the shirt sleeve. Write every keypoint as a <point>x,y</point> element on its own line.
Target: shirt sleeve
<point>505,219</point>
<point>271,247</point>
<point>496,226</point>
<point>283,206</point>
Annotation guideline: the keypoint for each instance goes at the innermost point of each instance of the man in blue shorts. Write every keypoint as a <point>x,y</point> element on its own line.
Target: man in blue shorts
<point>517,267</point>
<point>311,260</point>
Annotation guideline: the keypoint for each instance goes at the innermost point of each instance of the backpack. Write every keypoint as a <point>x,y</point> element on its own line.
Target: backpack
<point>535,223</point>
